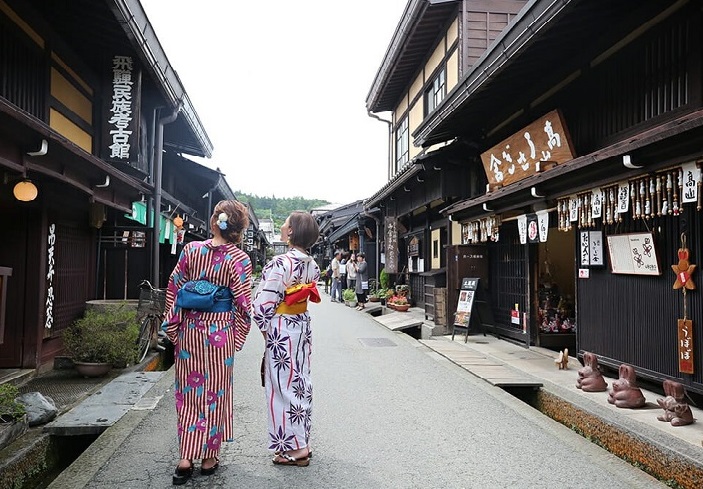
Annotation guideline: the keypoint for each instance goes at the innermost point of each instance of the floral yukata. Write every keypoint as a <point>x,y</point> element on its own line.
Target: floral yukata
<point>205,343</point>
<point>288,385</point>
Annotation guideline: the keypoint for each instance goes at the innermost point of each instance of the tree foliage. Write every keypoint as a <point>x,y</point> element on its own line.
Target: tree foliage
<point>278,208</point>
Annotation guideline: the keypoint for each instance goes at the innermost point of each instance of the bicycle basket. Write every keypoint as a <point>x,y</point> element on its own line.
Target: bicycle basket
<point>152,301</point>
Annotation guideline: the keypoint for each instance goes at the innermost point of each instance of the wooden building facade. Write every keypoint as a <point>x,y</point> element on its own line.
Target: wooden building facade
<point>586,246</point>
<point>434,45</point>
<point>93,121</point>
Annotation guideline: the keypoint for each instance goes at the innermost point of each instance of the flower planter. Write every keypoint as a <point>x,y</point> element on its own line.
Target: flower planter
<point>374,299</point>
<point>401,307</point>
<point>92,369</point>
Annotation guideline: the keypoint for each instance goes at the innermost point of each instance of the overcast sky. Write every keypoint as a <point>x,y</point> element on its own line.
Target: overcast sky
<point>281,86</point>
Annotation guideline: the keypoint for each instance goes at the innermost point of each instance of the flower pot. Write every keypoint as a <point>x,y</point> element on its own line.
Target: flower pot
<point>401,307</point>
<point>374,299</point>
<point>87,369</point>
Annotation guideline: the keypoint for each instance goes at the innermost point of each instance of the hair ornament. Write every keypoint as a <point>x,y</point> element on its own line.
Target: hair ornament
<point>222,221</point>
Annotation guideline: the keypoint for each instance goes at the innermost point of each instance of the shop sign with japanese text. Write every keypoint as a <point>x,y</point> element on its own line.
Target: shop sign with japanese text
<point>121,112</point>
<point>685,327</point>
<point>519,156</point>
<point>391,245</point>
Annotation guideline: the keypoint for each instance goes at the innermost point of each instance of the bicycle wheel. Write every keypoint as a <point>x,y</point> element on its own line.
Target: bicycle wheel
<point>146,333</point>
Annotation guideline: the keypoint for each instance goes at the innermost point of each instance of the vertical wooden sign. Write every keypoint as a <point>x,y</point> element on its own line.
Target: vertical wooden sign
<point>685,346</point>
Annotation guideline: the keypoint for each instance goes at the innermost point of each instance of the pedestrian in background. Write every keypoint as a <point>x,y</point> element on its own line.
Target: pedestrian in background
<point>362,280</point>
<point>336,282</point>
<point>343,271</point>
<point>205,340</point>
<point>280,312</point>
<point>351,271</point>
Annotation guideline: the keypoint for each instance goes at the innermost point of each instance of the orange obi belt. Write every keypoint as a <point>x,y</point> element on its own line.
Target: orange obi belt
<point>296,299</point>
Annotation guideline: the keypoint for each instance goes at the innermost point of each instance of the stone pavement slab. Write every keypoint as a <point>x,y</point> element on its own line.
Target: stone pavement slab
<point>105,407</point>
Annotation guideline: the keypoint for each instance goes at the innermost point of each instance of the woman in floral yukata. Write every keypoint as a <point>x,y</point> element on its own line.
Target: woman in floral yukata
<point>205,342</point>
<point>288,283</point>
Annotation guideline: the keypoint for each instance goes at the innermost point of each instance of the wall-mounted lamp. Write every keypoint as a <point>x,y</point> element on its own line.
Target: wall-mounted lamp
<point>107,182</point>
<point>627,163</point>
<point>25,191</point>
<point>535,194</point>
<point>42,150</point>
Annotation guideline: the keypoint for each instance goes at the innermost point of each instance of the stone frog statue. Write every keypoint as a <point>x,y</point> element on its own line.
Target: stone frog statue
<point>675,409</point>
<point>625,393</point>
<point>590,379</point>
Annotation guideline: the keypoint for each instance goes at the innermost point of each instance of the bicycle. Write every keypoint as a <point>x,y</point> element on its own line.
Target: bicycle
<point>152,302</point>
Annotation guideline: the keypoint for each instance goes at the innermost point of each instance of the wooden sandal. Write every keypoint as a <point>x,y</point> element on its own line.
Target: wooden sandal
<point>288,460</point>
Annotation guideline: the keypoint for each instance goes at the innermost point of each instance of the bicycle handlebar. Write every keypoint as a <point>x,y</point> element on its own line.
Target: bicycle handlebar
<point>146,283</point>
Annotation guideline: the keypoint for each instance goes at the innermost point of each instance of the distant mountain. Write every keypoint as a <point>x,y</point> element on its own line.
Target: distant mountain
<point>278,209</point>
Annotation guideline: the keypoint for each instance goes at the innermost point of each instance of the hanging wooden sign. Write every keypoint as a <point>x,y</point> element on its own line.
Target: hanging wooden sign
<point>686,346</point>
<point>519,156</point>
<point>683,270</point>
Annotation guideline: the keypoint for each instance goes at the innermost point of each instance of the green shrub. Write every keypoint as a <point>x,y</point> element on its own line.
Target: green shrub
<point>384,279</point>
<point>10,409</point>
<point>104,337</point>
<point>349,295</point>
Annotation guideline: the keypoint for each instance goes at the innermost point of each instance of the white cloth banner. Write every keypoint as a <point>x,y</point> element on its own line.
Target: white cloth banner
<point>522,228</point>
<point>573,209</point>
<point>543,225</point>
<point>597,204</point>
<point>691,177</point>
<point>623,198</point>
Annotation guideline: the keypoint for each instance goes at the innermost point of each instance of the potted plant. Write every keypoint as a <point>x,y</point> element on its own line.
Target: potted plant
<point>399,303</point>
<point>402,290</point>
<point>102,339</point>
<point>349,297</point>
<point>373,291</point>
<point>13,415</point>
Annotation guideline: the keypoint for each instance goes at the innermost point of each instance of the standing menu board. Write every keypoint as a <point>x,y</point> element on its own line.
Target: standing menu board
<point>633,254</point>
<point>467,294</point>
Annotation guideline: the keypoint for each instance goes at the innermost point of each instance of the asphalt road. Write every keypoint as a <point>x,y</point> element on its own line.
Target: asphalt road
<point>388,413</point>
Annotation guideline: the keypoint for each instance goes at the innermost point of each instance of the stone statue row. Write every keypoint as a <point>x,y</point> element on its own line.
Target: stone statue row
<point>625,393</point>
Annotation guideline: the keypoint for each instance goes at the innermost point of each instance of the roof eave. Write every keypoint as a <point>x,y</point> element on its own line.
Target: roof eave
<point>535,15</point>
<point>139,30</point>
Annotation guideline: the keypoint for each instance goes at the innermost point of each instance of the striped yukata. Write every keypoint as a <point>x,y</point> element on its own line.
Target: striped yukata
<point>288,386</point>
<point>205,343</point>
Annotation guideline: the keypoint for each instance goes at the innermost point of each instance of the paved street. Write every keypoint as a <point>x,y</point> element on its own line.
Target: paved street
<point>388,413</point>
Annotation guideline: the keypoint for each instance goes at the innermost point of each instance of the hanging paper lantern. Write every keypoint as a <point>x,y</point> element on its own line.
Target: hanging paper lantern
<point>178,222</point>
<point>25,191</point>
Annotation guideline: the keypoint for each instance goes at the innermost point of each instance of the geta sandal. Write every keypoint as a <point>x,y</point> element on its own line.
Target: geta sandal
<point>288,460</point>
<point>181,475</point>
<point>210,470</point>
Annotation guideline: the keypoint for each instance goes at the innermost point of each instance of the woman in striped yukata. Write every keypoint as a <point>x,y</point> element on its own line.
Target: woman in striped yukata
<point>205,342</point>
<point>288,283</point>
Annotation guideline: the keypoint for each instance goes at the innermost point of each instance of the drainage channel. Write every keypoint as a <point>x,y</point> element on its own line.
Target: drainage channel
<point>36,458</point>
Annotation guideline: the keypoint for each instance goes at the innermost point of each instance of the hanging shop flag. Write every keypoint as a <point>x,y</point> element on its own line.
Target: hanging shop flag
<point>623,198</point>
<point>597,204</point>
<point>522,228</point>
<point>691,177</point>
<point>543,225</point>
<point>573,209</point>
<point>532,229</point>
